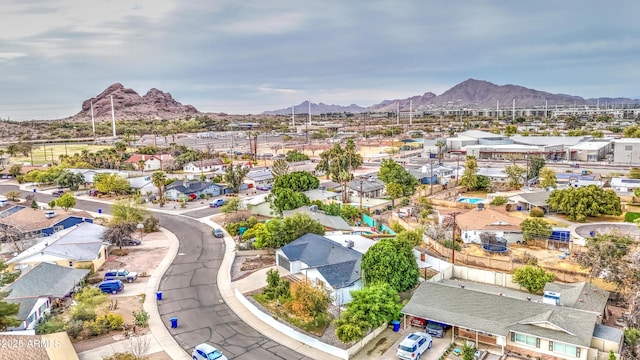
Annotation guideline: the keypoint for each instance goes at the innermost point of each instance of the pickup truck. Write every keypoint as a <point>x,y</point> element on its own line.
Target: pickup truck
<point>121,274</point>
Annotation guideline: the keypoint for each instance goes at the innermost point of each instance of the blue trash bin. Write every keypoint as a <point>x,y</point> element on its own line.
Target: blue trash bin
<point>99,210</point>
<point>396,325</point>
<point>174,322</point>
<point>159,295</point>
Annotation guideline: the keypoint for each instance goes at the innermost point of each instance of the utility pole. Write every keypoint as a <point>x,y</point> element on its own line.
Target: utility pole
<point>457,169</point>
<point>453,238</point>
<point>431,176</point>
<point>360,194</point>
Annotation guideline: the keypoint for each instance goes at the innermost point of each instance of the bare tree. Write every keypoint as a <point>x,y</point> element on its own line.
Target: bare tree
<point>138,346</point>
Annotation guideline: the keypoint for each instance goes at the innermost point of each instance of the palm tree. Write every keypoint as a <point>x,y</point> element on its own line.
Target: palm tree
<point>440,144</point>
<point>159,180</point>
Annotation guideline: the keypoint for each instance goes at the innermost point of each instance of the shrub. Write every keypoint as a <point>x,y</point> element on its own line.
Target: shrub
<point>631,216</point>
<point>449,243</point>
<point>404,201</point>
<point>49,325</point>
<point>508,207</point>
<point>95,328</point>
<point>499,200</point>
<point>150,224</point>
<point>536,212</point>
<point>74,328</point>
<point>115,321</point>
<point>141,318</point>
<point>121,356</point>
<point>82,312</point>
<point>396,227</point>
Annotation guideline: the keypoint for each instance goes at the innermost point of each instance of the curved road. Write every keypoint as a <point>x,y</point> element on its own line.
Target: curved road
<point>191,294</point>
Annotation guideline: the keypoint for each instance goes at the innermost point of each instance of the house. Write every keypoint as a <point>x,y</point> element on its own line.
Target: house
<point>38,222</point>
<point>494,174</point>
<point>322,195</point>
<point>433,174</point>
<point>38,288</point>
<point>151,162</point>
<point>143,185</point>
<point>330,222</point>
<point>371,188</point>
<point>307,166</point>
<point>538,329</point>
<point>258,205</point>
<point>181,189</point>
<point>529,200</point>
<point>624,186</point>
<point>80,246</point>
<point>56,346</point>
<point>203,166</point>
<point>259,179</point>
<point>324,263</point>
<point>89,174</point>
<point>475,222</point>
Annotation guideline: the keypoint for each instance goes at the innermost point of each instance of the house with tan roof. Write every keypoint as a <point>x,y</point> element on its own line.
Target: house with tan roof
<point>31,223</point>
<point>471,224</point>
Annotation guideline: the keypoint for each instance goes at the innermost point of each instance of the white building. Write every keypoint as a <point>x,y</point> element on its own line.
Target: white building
<point>626,151</point>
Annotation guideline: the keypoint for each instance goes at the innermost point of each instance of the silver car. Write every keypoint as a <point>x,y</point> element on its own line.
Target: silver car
<point>414,345</point>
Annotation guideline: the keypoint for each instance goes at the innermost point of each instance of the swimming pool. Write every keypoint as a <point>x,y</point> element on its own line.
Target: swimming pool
<point>467,200</point>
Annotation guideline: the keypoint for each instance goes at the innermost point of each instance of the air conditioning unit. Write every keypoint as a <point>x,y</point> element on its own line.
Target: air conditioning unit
<point>350,244</point>
<point>49,214</point>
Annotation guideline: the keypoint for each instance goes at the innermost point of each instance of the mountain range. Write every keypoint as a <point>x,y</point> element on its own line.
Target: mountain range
<point>469,94</point>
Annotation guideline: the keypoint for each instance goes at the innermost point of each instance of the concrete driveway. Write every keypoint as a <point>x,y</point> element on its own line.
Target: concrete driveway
<point>384,346</point>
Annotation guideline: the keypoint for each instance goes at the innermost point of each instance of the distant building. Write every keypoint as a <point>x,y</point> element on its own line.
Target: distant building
<point>626,151</point>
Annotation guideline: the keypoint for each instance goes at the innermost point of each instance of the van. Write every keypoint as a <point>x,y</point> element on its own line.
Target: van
<point>217,203</point>
<point>111,286</point>
<point>435,329</point>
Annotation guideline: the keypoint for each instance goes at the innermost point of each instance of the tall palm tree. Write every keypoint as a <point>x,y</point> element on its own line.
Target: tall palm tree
<point>440,144</point>
<point>159,180</point>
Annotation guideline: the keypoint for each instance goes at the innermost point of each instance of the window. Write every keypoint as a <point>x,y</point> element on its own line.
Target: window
<point>525,339</point>
<point>628,147</point>
<point>564,348</point>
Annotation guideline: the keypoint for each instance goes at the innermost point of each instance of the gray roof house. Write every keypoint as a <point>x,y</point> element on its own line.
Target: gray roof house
<point>330,222</point>
<point>370,188</point>
<point>325,263</point>
<point>47,280</point>
<point>529,328</point>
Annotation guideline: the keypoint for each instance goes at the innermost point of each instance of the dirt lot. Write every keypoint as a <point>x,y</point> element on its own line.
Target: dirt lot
<point>244,266</point>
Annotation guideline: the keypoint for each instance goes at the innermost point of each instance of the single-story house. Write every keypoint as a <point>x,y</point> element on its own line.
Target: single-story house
<point>322,195</point>
<point>56,346</point>
<point>330,222</point>
<point>529,200</point>
<point>529,328</point>
<point>372,188</point>
<point>80,246</point>
<point>259,179</point>
<point>307,166</point>
<point>475,222</point>
<point>494,174</point>
<point>38,222</point>
<point>32,309</point>
<point>143,184</point>
<point>89,174</point>
<point>258,205</point>
<point>624,186</point>
<point>191,189</point>
<point>151,162</point>
<point>203,166</point>
<point>324,263</point>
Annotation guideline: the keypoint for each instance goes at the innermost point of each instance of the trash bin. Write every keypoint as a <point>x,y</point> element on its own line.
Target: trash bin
<point>389,207</point>
<point>99,210</point>
<point>519,208</point>
<point>396,325</point>
<point>159,295</point>
<point>174,322</point>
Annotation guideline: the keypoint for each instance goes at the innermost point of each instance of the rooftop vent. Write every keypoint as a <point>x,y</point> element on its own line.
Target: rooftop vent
<point>551,298</point>
<point>49,214</point>
<point>350,244</point>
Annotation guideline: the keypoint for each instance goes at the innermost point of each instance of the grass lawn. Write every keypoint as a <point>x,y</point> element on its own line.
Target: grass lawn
<point>56,150</point>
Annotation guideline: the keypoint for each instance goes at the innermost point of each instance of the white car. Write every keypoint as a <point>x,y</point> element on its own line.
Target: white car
<point>414,345</point>
<point>205,351</point>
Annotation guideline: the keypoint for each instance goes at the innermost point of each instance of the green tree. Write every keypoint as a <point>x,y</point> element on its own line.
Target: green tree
<point>391,261</point>
<point>297,181</point>
<point>440,144</point>
<point>13,195</point>
<point>634,173</point>
<point>547,178</point>
<point>469,178</point>
<point>68,179</point>
<point>127,212</point>
<point>535,228</point>
<point>15,170</point>
<point>532,278</point>
<point>395,191</point>
<point>510,130</point>
<point>608,257</point>
<point>392,172</point>
<point>339,164</point>
<point>515,176</point>
<point>277,232</point>
<point>632,131</point>
<point>295,156</point>
<point>370,307</point>
<point>536,163</point>
<point>111,183</point>
<point>468,352</point>
<point>413,238</point>
<point>234,176</point>
<point>159,180</point>
<point>280,167</point>
<point>8,313</point>
<point>286,199</point>
<point>66,201</point>
<point>592,200</point>
<point>232,205</point>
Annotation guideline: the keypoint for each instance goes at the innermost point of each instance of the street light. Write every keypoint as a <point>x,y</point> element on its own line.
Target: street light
<point>140,227</point>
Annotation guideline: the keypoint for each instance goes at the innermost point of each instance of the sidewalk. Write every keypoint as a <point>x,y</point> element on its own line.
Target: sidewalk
<point>227,292</point>
<point>159,339</point>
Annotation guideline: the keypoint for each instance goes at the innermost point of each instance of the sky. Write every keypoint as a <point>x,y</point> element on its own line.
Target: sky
<point>250,56</point>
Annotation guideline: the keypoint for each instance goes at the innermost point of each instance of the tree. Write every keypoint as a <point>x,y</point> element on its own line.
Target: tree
<point>234,176</point>
<point>392,172</point>
<point>515,176</point>
<point>339,163</point>
<point>535,228</point>
<point>370,307</point>
<point>308,301</point>
<point>532,278</point>
<point>116,233</point>
<point>8,313</point>
<point>295,156</point>
<point>70,180</point>
<point>592,200</point>
<point>469,178</point>
<point>440,144</point>
<point>13,195</point>
<point>510,130</point>
<point>66,201</point>
<point>390,261</point>
<point>607,257</point>
<point>536,163</point>
<point>395,191</point>
<point>127,212</point>
<point>413,238</point>
<point>15,170</point>
<point>276,233</point>
<point>634,173</point>
<point>286,199</point>
<point>468,352</point>
<point>297,181</point>
<point>232,205</point>
<point>159,180</point>
<point>547,178</point>
<point>111,183</point>
<point>280,167</point>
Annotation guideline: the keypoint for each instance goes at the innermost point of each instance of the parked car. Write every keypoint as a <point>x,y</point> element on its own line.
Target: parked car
<point>121,274</point>
<point>111,286</point>
<point>414,345</point>
<point>217,232</point>
<point>131,242</point>
<point>205,351</point>
<point>436,329</point>
<point>217,203</point>
<point>57,193</point>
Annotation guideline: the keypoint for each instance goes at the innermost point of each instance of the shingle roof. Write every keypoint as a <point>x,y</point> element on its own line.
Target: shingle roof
<point>608,333</point>
<point>499,315</point>
<point>46,280</point>
<point>339,265</point>
<point>582,296</point>
<point>260,175</point>
<point>28,219</point>
<point>368,185</point>
<point>26,305</point>
<point>328,221</point>
<point>538,198</point>
<point>189,187</point>
<point>487,219</point>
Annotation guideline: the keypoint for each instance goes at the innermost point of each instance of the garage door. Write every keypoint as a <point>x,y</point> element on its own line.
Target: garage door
<point>284,262</point>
